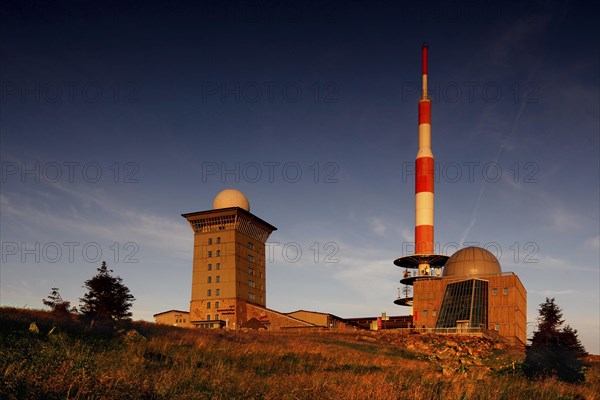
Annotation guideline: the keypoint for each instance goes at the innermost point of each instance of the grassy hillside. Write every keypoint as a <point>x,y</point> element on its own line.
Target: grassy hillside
<point>147,361</point>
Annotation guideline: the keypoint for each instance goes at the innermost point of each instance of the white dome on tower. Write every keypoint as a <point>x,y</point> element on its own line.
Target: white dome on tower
<point>231,198</point>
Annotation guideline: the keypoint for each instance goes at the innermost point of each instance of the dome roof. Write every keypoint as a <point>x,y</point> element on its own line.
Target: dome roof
<point>231,198</point>
<point>472,261</point>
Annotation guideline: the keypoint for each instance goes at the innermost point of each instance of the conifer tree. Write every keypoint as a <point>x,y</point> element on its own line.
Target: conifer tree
<point>555,351</point>
<point>56,302</point>
<point>107,298</point>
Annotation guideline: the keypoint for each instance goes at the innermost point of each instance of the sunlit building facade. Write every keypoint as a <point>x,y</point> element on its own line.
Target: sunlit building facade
<point>228,269</point>
<point>473,292</point>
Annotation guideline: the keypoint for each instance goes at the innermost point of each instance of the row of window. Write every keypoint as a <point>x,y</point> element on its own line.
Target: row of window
<point>250,296</point>
<point>180,321</point>
<point>217,266</point>
<point>249,245</point>
<point>207,326</point>
<point>210,241</point>
<point>216,304</point>
<point>495,291</point>
<point>208,317</point>
<point>209,279</point>
<point>251,272</point>
<point>217,253</point>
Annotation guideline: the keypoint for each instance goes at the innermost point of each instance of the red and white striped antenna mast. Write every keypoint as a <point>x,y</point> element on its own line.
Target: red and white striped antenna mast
<point>424,257</point>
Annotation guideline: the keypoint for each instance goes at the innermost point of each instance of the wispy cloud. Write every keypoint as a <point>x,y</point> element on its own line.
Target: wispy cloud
<point>593,242</point>
<point>550,264</point>
<point>99,216</point>
<point>367,270</point>
<point>563,219</point>
<point>407,234</point>
<point>516,40</point>
<point>505,144</point>
<point>377,226</point>
<point>550,292</point>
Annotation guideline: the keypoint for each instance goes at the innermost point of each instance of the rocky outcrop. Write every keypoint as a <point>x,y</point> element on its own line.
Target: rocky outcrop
<point>475,356</point>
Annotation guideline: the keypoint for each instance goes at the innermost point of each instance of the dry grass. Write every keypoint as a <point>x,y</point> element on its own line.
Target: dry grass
<point>179,363</point>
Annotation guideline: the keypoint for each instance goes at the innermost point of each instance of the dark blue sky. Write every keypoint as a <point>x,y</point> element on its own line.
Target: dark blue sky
<point>161,98</point>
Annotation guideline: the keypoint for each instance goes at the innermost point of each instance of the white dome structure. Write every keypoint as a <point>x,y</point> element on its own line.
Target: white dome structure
<point>231,198</point>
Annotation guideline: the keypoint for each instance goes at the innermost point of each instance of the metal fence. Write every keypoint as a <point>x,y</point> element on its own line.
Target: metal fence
<point>473,331</point>
<point>445,331</point>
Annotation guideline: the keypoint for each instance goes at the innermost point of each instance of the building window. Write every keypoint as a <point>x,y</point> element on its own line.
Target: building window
<point>209,240</point>
<point>218,278</point>
<point>208,317</point>
<point>184,320</point>
<point>495,291</point>
<point>209,254</point>
<point>218,239</point>
<point>505,290</point>
<point>218,253</point>
<point>250,246</point>
<point>425,313</point>
<point>261,286</point>
<point>434,313</point>
<point>464,300</point>
<point>208,304</point>
<point>250,257</point>
<point>261,298</point>
<point>209,292</point>
<point>217,317</point>
<point>251,271</point>
<point>210,267</point>
<point>210,279</point>
<point>217,292</point>
<point>218,266</point>
<point>216,304</point>
<point>250,296</point>
<point>261,275</point>
<point>250,283</point>
<point>497,327</point>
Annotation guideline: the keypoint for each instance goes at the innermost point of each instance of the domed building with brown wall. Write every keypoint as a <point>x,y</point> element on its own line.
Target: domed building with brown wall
<point>472,292</point>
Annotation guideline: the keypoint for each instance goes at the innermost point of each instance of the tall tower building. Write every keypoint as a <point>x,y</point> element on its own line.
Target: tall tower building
<point>228,263</point>
<point>424,262</point>
<point>472,293</point>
